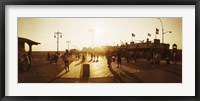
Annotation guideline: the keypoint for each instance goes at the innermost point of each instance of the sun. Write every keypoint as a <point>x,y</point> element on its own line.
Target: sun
<point>99,36</point>
<point>98,30</point>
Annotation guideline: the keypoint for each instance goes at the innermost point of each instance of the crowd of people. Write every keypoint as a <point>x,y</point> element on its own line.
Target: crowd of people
<point>116,56</point>
<point>65,57</point>
<point>153,57</point>
<point>111,56</point>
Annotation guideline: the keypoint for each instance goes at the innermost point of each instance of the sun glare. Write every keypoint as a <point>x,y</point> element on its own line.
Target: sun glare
<point>99,36</point>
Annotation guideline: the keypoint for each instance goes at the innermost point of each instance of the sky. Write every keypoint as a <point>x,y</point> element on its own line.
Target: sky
<point>87,32</point>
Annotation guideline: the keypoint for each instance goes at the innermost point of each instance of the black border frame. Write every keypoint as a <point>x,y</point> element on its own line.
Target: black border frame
<point>3,3</point>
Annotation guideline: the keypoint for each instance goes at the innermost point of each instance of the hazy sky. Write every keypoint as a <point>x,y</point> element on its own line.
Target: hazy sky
<point>106,31</point>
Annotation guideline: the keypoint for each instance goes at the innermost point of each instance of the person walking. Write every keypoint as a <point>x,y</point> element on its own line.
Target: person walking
<point>48,56</point>
<point>55,57</point>
<point>175,57</point>
<point>119,59</point>
<point>157,59</point>
<point>66,60</point>
<point>127,56</point>
<point>109,59</point>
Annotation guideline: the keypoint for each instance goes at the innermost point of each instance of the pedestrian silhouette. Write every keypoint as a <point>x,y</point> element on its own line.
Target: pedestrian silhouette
<point>119,58</point>
<point>48,56</point>
<point>109,58</point>
<point>66,60</point>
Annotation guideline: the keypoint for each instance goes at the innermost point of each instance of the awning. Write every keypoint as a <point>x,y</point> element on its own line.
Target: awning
<point>28,41</point>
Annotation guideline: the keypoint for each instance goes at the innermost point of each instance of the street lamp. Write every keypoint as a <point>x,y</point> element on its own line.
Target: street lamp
<point>163,30</point>
<point>92,30</point>
<point>167,32</point>
<point>57,35</point>
<point>68,42</point>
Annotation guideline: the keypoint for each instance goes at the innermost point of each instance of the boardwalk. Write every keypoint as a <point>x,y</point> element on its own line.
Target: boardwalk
<point>140,71</point>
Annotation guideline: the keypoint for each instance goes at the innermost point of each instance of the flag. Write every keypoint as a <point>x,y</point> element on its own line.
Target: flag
<point>157,31</point>
<point>149,34</point>
<point>133,35</point>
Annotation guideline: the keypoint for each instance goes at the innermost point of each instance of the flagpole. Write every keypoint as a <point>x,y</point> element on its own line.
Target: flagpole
<point>149,35</point>
<point>133,35</point>
<point>132,38</point>
<point>155,36</point>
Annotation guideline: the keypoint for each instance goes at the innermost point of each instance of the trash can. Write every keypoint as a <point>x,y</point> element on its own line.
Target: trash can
<point>86,70</point>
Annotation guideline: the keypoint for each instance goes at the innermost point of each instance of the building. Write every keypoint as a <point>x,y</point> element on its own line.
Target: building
<point>24,60</point>
<point>22,41</point>
<point>143,47</point>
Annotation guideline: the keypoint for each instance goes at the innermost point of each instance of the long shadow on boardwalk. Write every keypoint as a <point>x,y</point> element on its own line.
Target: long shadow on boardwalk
<point>133,76</point>
<point>81,62</point>
<point>56,77</point>
<point>117,77</point>
<point>78,63</point>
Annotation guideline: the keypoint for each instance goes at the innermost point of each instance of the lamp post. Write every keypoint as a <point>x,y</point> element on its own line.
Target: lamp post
<point>163,54</point>
<point>68,42</point>
<point>92,30</point>
<point>57,35</point>
<point>163,30</point>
